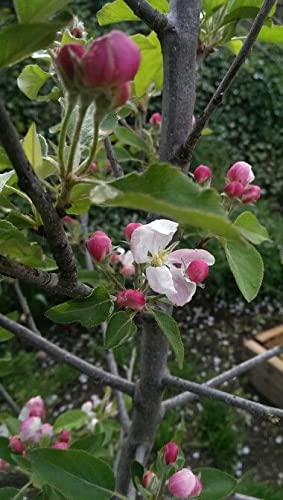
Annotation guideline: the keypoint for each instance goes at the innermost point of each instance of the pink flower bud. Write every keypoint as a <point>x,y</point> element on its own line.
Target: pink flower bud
<point>241,172</point>
<point>202,174</point>
<point>64,436</point>
<point>251,194</point>
<point>132,299</point>
<point>197,271</point>
<point>148,478</point>
<point>68,63</point>
<point>36,407</point>
<point>70,220</point>
<point>128,270</point>
<point>234,189</point>
<point>93,166</point>
<point>130,228</point>
<point>99,245</point>
<point>60,445</point>
<point>4,465</point>
<point>16,444</point>
<point>121,95</point>
<point>30,429</point>
<point>198,487</point>
<point>170,452</point>
<point>110,61</point>
<point>46,430</point>
<point>155,119</point>
<point>183,483</point>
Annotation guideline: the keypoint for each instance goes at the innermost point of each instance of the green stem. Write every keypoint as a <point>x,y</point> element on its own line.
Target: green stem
<point>22,490</point>
<point>76,138</point>
<point>161,487</point>
<point>63,134</point>
<point>86,164</point>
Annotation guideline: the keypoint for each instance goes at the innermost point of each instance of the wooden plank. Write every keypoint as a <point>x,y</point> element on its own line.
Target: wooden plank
<point>256,348</point>
<point>269,334</point>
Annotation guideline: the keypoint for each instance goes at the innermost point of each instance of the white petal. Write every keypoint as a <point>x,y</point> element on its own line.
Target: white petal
<point>127,259</point>
<point>152,238</point>
<point>160,279</point>
<point>184,289</point>
<point>186,255</point>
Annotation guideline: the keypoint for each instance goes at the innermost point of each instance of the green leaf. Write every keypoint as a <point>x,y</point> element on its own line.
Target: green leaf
<point>234,45</point>
<point>217,484</point>
<point>80,199</point>
<point>32,147</point>
<point>18,41</point>
<point>4,178</point>
<point>119,329</point>
<point>118,11</point>
<point>5,451</point>
<point>271,34</point>
<point>46,168</point>
<point>31,79</point>
<point>89,311</point>
<point>171,331</point>
<point>73,419</point>
<point>91,444</point>
<point>251,228</point>
<point>164,190</point>
<point>210,6</point>
<point>75,474</point>
<point>33,11</point>
<point>244,9</point>
<point>6,334</point>
<point>151,67</point>
<point>4,160</point>
<point>129,137</point>
<point>9,493</point>
<point>247,267</point>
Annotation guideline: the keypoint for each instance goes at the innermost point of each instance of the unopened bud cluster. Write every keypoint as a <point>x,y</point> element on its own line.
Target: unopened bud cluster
<point>103,71</point>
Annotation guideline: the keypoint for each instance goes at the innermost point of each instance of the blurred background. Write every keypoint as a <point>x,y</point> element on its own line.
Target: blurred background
<point>248,126</point>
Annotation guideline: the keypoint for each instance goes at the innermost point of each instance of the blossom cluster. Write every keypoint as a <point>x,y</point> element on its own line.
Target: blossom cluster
<point>102,71</point>
<point>181,483</point>
<point>239,181</point>
<point>154,262</point>
<point>35,432</point>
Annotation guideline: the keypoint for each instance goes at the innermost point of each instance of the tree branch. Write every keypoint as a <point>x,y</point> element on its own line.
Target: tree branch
<point>122,411</point>
<point>9,400</point>
<point>179,49</point>
<point>116,168</point>
<point>31,185</point>
<point>256,409</point>
<point>185,152</point>
<point>25,308</point>
<point>64,356</point>
<point>244,367</point>
<point>152,17</point>
<point>49,282</point>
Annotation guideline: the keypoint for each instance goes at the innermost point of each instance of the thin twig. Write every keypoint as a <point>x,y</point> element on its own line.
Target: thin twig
<point>49,282</point>
<point>123,414</point>
<point>64,356</point>
<point>152,17</point>
<point>240,369</point>
<point>88,259</point>
<point>31,185</point>
<point>25,307</point>
<point>115,166</point>
<point>130,370</point>
<point>184,154</point>
<point>9,400</point>
<point>255,409</point>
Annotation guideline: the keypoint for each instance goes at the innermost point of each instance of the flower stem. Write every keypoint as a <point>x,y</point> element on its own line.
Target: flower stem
<point>63,134</point>
<point>161,487</point>
<point>22,490</point>
<point>76,138</point>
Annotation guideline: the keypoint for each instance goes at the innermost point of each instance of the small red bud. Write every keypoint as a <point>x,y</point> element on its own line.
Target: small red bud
<point>170,452</point>
<point>251,194</point>
<point>240,172</point>
<point>184,484</point>
<point>197,271</point>
<point>130,228</point>
<point>234,189</point>
<point>148,478</point>
<point>99,245</point>
<point>202,174</point>
<point>93,166</point>
<point>60,445</point>
<point>121,95</point>
<point>132,299</point>
<point>68,62</point>
<point>64,436</point>
<point>16,444</point>
<point>155,119</point>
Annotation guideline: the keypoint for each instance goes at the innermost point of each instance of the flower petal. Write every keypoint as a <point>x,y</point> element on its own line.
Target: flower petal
<point>185,256</point>
<point>151,239</point>
<point>185,289</point>
<point>160,279</point>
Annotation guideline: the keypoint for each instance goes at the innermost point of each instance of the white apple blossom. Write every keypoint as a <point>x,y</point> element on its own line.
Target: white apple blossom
<point>165,269</point>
